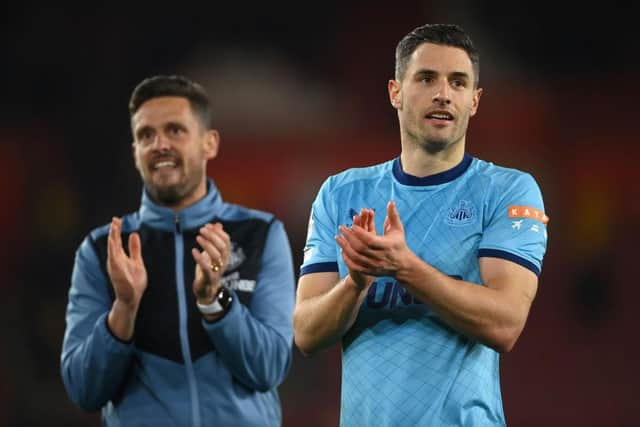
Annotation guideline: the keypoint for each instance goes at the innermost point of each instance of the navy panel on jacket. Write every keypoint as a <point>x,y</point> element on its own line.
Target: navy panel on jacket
<point>157,322</point>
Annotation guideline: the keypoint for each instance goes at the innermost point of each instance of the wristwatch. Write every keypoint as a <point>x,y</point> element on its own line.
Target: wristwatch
<point>222,302</point>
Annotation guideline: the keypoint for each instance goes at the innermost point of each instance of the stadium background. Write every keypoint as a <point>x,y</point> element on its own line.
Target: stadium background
<point>300,93</point>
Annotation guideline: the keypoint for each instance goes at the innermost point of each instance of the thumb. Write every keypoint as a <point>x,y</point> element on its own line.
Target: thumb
<point>135,248</point>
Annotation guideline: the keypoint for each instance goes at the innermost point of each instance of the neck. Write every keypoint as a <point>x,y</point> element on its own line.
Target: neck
<point>419,162</point>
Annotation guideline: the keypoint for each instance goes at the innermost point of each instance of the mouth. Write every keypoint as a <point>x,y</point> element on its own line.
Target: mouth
<point>163,164</point>
<point>440,116</point>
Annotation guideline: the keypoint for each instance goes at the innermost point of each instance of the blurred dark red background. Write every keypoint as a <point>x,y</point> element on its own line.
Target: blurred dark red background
<point>300,93</point>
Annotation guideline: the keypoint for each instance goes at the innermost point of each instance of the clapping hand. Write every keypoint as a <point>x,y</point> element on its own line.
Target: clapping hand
<point>368,254</point>
<point>127,272</point>
<point>211,262</point>
<point>365,221</point>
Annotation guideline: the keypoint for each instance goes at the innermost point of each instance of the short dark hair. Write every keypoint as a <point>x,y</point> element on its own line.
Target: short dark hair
<point>158,86</point>
<point>443,34</point>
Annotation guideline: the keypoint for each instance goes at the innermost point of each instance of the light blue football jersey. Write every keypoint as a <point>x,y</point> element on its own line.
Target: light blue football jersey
<point>401,365</point>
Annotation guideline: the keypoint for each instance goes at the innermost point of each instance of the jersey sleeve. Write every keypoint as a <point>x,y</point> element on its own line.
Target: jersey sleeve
<point>517,224</point>
<point>320,253</point>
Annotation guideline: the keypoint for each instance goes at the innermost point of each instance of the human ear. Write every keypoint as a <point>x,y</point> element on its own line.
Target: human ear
<point>395,94</point>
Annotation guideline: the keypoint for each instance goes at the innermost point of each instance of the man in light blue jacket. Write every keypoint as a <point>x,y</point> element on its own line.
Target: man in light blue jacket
<point>189,323</point>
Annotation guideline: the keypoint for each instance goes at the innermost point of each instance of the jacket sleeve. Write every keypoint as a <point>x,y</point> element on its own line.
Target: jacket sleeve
<point>93,362</point>
<point>256,342</point>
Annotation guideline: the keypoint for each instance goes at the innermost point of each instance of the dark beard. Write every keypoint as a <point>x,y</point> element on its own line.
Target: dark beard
<point>166,196</point>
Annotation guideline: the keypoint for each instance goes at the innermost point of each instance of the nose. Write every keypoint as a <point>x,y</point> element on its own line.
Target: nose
<point>442,94</point>
<point>160,142</point>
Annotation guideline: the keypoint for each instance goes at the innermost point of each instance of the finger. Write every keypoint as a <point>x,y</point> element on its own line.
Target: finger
<point>360,220</point>
<point>372,241</point>
<point>361,259</point>
<point>222,234</point>
<point>217,236</point>
<point>214,237</point>
<point>135,247</point>
<point>202,260</point>
<point>356,266</point>
<point>359,239</point>
<point>210,249</point>
<point>200,275</point>
<point>363,218</point>
<point>114,232</point>
<point>114,241</point>
<point>355,220</point>
<point>196,256</point>
<point>351,265</point>
<point>352,238</point>
<point>393,216</point>
<point>371,223</point>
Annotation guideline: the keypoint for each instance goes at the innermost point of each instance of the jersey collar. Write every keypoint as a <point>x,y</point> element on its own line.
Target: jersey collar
<point>439,178</point>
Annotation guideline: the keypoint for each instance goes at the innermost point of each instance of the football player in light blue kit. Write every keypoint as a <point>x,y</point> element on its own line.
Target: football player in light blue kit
<point>425,266</point>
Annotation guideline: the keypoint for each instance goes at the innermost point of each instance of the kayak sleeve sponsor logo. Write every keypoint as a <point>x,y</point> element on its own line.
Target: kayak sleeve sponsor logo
<point>528,212</point>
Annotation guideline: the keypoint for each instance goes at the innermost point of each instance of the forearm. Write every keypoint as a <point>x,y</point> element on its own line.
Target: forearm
<point>479,312</point>
<point>257,354</point>
<point>322,320</point>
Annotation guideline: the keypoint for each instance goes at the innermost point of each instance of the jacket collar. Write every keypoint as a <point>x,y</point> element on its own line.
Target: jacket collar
<point>193,216</point>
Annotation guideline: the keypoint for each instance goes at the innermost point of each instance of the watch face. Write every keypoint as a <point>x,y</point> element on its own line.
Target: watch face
<point>224,297</point>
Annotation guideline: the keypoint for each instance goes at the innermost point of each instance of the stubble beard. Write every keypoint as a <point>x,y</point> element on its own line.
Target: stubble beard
<point>429,144</point>
<point>174,194</point>
<point>166,196</point>
<point>434,145</point>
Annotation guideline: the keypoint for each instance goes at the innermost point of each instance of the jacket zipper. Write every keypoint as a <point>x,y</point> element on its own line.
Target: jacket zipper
<point>183,319</point>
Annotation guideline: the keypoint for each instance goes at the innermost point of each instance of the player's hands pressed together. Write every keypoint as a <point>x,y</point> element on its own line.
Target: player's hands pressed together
<point>365,220</point>
<point>128,277</point>
<point>367,254</point>
<point>211,262</point>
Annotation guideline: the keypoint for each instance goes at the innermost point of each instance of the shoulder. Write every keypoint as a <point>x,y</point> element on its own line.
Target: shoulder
<point>236,212</point>
<point>502,178</point>
<point>353,176</point>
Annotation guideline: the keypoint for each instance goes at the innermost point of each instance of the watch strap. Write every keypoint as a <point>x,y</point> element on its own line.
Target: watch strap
<point>214,308</point>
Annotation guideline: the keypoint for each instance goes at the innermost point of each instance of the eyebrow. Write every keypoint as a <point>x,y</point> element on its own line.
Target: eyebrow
<point>460,74</point>
<point>174,123</point>
<point>455,74</point>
